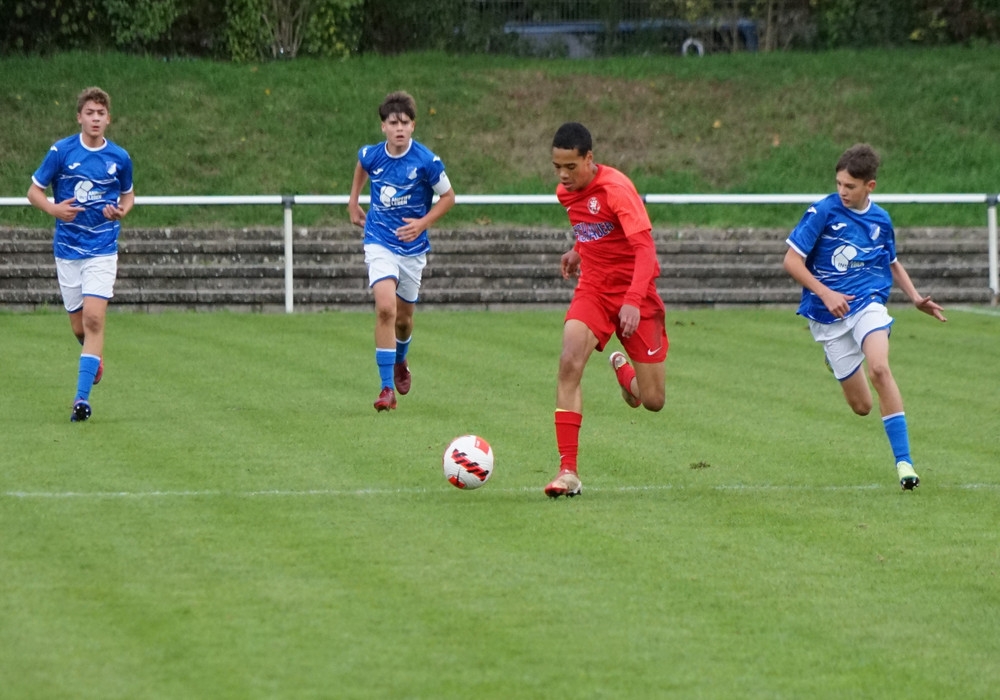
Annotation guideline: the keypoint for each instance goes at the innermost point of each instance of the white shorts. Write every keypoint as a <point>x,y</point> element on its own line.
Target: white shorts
<point>406,270</point>
<point>89,277</point>
<point>842,339</point>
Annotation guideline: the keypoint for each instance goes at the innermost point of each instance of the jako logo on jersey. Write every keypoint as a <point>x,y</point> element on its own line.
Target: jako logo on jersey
<point>84,192</point>
<point>592,232</point>
<point>387,195</point>
<point>843,258</point>
<point>838,226</point>
<point>593,206</point>
<point>377,171</point>
<point>73,167</point>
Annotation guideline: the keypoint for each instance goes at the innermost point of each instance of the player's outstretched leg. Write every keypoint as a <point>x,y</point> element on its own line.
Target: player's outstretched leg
<point>401,377</point>
<point>566,483</point>
<point>81,411</point>
<point>625,374</point>
<point>386,400</point>
<point>908,479</point>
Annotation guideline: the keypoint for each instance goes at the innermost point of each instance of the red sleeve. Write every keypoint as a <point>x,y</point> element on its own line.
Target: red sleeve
<point>628,207</point>
<point>634,218</point>
<point>647,268</point>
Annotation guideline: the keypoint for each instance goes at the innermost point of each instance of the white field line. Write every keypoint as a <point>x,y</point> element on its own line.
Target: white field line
<point>337,493</point>
<point>982,311</point>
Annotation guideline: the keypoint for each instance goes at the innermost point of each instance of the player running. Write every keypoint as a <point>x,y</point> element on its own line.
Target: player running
<point>843,253</point>
<point>405,175</point>
<point>614,259</point>
<point>91,180</point>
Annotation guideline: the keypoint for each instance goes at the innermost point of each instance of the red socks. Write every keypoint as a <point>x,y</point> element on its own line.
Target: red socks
<point>568,438</point>
<point>625,375</point>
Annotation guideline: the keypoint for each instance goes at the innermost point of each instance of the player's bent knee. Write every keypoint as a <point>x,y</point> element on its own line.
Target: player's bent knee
<point>570,372</point>
<point>881,375</point>
<point>653,406</point>
<point>653,403</point>
<point>862,409</point>
<point>92,324</point>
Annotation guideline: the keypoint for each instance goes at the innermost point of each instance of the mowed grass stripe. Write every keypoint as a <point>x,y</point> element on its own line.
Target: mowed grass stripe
<point>311,493</point>
<point>236,521</point>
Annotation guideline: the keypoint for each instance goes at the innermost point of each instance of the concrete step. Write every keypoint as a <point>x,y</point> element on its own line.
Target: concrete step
<point>497,267</point>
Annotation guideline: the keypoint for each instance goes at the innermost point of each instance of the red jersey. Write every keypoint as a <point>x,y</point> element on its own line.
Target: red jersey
<point>613,236</point>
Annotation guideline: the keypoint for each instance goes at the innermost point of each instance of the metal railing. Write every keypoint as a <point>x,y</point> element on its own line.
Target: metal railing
<point>289,201</point>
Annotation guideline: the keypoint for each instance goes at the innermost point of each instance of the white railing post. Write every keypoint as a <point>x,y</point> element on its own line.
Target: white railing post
<point>991,223</point>
<point>287,201</point>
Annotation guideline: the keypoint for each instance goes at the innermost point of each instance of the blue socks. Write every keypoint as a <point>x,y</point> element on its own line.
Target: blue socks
<point>402,347</point>
<point>85,379</point>
<point>899,438</point>
<point>386,360</point>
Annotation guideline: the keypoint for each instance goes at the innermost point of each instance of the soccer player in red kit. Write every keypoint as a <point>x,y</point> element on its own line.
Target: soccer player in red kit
<point>614,259</point>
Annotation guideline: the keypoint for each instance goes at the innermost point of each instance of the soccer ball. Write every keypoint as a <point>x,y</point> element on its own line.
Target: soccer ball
<point>468,462</point>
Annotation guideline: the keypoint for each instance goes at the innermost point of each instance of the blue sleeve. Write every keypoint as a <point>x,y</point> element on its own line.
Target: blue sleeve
<point>804,236</point>
<point>890,244</point>
<point>365,155</point>
<point>434,170</point>
<point>125,174</point>
<point>48,169</point>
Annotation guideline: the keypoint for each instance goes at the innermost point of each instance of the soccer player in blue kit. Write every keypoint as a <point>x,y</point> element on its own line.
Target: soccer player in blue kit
<point>405,175</point>
<point>91,180</point>
<point>843,253</point>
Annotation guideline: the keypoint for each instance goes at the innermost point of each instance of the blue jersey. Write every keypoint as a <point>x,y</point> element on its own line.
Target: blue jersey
<point>401,186</point>
<point>94,178</point>
<point>848,251</point>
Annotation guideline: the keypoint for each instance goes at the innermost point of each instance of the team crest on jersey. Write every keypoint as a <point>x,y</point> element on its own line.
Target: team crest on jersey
<point>875,232</point>
<point>412,175</point>
<point>593,206</point>
<point>112,168</point>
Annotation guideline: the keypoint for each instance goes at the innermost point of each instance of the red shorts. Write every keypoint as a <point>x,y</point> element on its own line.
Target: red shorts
<point>599,312</point>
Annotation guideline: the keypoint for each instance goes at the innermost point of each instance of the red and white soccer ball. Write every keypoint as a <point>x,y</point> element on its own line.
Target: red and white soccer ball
<point>468,462</point>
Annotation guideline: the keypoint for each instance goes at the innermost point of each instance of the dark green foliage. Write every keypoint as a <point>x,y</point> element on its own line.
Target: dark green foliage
<point>868,23</point>
<point>239,30</point>
<point>244,30</point>
<point>393,27</point>
<point>40,27</point>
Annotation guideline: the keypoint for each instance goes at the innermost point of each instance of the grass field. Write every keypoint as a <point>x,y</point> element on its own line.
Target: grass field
<point>728,123</point>
<point>235,521</point>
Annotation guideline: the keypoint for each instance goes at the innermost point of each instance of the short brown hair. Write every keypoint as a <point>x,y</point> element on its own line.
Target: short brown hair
<point>860,161</point>
<point>398,103</point>
<point>93,94</point>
